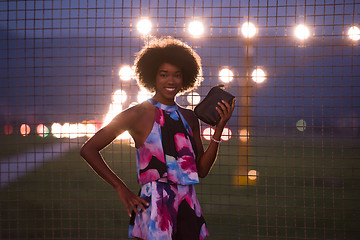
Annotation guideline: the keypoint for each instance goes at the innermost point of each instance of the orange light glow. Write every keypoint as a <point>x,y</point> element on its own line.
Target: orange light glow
<point>207,133</point>
<point>244,135</point>
<point>8,129</point>
<point>252,175</point>
<point>226,134</point>
<point>25,129</point>
<point>226,75</point>
<point>42,130</point>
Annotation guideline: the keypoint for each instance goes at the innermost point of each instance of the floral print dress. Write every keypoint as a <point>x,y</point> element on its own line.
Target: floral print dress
<point>166,169</point>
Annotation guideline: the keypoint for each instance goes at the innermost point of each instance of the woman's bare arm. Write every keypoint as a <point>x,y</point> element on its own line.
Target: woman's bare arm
<point>90,151</point>
<point>205,160</point>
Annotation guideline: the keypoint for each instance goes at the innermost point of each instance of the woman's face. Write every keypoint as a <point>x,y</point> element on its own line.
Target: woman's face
<point>169,82</point>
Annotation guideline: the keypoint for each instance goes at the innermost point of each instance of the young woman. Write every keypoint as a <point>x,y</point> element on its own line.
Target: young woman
<point>169,152</point>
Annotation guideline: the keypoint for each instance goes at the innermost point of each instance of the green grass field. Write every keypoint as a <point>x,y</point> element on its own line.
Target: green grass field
<point>307,188</point>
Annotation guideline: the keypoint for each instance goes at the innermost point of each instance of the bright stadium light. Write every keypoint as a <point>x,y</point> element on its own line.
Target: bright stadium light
<point>126,73</point>
<point>42,130</point>
<point>226,134</point>
<point>196,28</point>
<point>119,96</point>
<point>258,75</point>
<point>226,75</point>
<point>252,175</point>
<point>56,130</point>
<point>354,33</point>
<point>144,26</point>
<point>143,95</point>
<point>248,30</point>
<point>193,98</point>
<point>244,135</point>
<point>207,133</point>
<point>25,129</point>
<point>8,129</point>
<point>90,130</point>
<point>302,32</point>
<point>301,125</point>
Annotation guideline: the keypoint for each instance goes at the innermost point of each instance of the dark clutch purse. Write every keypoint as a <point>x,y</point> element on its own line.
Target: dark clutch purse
<point>206,109</point>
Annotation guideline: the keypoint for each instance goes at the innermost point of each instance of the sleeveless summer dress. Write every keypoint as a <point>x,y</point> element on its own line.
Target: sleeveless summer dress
<point>166,169</point>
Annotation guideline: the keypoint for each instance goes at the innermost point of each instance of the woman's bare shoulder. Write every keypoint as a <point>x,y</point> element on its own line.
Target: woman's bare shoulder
<point>128,118</point>
<point>139,109</point>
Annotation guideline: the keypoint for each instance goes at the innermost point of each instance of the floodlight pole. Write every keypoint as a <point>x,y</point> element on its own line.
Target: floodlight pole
<point>244,120</point>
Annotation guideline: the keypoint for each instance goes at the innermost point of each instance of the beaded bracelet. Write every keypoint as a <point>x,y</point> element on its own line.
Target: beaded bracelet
<point>217,141</point>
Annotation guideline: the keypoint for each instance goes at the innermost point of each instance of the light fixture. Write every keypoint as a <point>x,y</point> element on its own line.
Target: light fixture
<point>226,75</point>
<point>144,26</point>
<point>196,28</point>
<point>207,133</point>
<point>126,73</point>
<point>226,134</point>
<point>193,98</point>
<point>248,30</point>
<point>302,32</point>
<point>244,135</point>
<point>258,75</point>
<point>119,96</point>
<point>143,95</point>
<point>354,33</point>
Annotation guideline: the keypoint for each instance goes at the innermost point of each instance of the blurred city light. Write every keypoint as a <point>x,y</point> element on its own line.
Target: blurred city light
<point>252,175</point>
<point>226,75</point>
<point>126,73</point>
<point>119,96</point>
<point>354,33</point>
<point>73,130</point>
<point>196,28</point>
<point>301,125</point>
<point>114,109</point>
<point>90,129</point>
<point>56,130</point>
<point>258,75</point>
<point>25,129</point>
<point>302,32</point>
<point>193,98</point>
<point>226,134</point>
<point>144,26</point>
<point>8,129</point>
<point>244,135</point>
<point>144,95</point>
<point>207,133</point>
<point>248,30</point>
<point>42,130</point>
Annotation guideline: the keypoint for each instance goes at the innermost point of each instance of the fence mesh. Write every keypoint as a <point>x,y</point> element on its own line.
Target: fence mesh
<point>288,166</point>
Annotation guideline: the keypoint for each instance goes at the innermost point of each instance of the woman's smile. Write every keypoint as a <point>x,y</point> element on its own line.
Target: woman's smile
<point>168,83</point>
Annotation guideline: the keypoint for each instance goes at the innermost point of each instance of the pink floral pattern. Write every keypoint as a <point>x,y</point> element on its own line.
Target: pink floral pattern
<point>167,169</point>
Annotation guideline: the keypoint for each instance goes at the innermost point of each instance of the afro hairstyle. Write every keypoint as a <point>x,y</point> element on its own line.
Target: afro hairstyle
<point>172,51</point>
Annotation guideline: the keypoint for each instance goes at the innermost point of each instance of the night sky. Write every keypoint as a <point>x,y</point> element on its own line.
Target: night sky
<point>60,59</point>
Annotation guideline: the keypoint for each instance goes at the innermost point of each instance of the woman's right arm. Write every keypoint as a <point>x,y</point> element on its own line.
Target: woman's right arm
<point>90,151</point>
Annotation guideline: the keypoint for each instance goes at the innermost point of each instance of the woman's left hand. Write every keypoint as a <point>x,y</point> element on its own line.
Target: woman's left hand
<point>225,110</point>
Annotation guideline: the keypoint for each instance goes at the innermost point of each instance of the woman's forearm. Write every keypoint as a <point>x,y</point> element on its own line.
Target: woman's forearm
<point>208,159</point>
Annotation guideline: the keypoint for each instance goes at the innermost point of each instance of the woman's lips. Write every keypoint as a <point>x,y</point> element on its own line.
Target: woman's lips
<point>170,89</point>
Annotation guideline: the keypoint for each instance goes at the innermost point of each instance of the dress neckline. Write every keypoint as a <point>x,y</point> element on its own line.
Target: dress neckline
<point>168,108</point>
